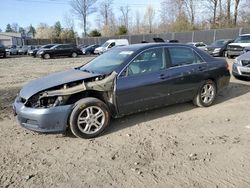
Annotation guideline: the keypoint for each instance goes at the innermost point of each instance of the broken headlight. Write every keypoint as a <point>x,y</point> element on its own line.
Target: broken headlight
<point>37,101</point>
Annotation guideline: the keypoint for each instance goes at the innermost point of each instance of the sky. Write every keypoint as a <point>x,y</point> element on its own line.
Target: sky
<point>26,12</point>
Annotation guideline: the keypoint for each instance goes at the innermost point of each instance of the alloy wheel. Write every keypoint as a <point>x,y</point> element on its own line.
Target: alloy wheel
<point>91,119</point>
<point>207,93</point>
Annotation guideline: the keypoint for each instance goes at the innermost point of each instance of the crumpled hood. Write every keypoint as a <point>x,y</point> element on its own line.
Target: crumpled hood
<point>53,80</point>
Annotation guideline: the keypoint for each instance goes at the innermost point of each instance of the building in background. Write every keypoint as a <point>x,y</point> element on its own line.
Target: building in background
<point>10,38</point>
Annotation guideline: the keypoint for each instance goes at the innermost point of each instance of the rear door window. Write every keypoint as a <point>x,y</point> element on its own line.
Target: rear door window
<point>181,56</point>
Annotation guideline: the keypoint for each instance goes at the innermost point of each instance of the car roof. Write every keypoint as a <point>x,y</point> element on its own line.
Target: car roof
<point>143,46</point>
<point>245,35</point>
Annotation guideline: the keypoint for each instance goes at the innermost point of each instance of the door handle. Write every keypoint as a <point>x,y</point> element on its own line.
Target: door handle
<point>163,76</point>
<point>201,69</point>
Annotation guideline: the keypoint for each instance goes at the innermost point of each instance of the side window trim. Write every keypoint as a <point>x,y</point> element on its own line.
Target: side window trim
<point>194,52</point>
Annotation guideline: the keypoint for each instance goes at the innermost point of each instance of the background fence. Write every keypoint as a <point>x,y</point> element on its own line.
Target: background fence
<point>207,36</point>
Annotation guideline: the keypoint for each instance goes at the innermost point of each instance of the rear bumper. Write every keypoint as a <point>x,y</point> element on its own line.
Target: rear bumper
<point>47,120</point>
<point>240,71</point>
<point>223,81</point>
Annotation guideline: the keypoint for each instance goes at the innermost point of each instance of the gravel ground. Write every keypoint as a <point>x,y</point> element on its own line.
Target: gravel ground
<point>176,146</point>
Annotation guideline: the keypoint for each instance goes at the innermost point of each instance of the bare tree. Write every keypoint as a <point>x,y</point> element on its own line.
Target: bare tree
<point>15,27</point>
<point>228,12</point>
<point>236,9</point>
<point>83,8</point>
<point>137,22</point>
<point>68,21</point>
<point>125,15</point>
<point>214,6</point>
<point>105,10</point>
<point>167,15</point>
<point>149,17</point>
<point>106,13</point>
<point>190,7</point>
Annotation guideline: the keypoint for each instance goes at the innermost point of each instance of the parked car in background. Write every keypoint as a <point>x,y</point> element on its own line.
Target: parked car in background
<point>24,49</point>
<point>90,49</point>
<point>158,39</point>
<point>236,48</point>
<point>34,52</point>
<point>200,45</point>
<point>122,81</point>
<point>2,51</point>
<point>218,48</point>
<point>60,50</point>
<point>110,44</point>
<point>246,49</point>
<point>12,50</point>
<point>82,46</point>
<point>241,66</point>
<point>35,49</point>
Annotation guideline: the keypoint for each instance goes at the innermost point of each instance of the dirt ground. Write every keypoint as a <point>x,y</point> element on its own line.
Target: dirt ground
<point>176,146</point>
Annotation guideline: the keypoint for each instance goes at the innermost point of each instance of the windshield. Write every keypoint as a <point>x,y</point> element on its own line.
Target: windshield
<point>107,62</point>
<point>105,44</point>
<point>47,46</point>
<point>243,39</point>
<point>219,43</point>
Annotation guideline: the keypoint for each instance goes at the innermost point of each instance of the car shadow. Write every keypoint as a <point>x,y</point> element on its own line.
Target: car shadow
<point>14,56</point>
<point>234,90</point>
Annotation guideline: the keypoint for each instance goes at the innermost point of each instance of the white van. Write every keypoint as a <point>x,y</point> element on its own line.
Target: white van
<point>111,43</point>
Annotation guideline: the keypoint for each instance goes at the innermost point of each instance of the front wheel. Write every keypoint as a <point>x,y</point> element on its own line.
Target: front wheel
<point>206,95</point>
<point>74,55</point>
<point>46,56</point>
<point>89,118</point>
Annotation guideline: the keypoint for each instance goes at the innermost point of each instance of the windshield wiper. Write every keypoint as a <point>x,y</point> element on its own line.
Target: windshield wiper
<point>85,70</point>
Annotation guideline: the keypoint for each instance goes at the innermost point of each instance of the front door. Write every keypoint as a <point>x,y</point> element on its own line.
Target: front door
<point>142,85</point>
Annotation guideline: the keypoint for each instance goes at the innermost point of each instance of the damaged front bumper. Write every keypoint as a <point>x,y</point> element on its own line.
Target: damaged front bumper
<point>44,120</point>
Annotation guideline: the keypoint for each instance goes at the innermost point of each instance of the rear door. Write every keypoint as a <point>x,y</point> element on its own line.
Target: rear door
<point>186,73</point>
<point>66,50</point>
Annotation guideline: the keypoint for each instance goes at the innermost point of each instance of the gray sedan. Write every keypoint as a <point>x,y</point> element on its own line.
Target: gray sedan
<point>241,67</point>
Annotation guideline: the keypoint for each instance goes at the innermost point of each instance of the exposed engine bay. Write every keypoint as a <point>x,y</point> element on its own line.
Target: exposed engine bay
<point>60,95</point>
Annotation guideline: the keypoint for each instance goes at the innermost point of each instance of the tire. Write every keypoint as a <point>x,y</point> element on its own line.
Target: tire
<point>74,55</point>
<point>224,54</point>
<point>206,94</point>
<point>46,56</point>
<point>4,55</point>
<point>83,121</point>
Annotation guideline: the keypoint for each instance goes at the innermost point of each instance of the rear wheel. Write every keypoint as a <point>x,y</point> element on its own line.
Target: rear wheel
<point>4,55</point>
<point>206,95</point>
<point>89,118</point>
<point>46,56</point>
<point>74,55</point>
